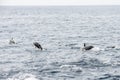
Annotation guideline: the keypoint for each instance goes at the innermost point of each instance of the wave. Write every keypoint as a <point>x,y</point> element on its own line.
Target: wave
<point>108,77</point>
<point>23,76</point>
<point>92,62</point>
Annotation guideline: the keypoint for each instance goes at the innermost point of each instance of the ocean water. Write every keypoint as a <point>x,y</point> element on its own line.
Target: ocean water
<point>61,30</point>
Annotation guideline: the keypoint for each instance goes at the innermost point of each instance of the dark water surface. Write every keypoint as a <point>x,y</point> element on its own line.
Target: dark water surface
<point>61,30</point>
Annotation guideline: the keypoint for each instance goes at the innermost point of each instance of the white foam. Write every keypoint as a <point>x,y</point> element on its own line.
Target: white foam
<point>68,68</point>
<point>23,76</point>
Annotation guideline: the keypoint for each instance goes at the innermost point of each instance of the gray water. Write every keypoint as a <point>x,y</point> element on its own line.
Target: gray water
<point>61,30</point>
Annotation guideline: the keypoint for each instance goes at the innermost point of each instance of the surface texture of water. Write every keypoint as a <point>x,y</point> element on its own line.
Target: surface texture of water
<point>61,31</point>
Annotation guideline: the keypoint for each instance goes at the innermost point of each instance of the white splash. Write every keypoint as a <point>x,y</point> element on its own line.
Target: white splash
<point>95,49</point>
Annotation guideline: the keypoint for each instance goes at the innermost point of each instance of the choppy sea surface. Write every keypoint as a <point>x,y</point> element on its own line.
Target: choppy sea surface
<point>61,30</point>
